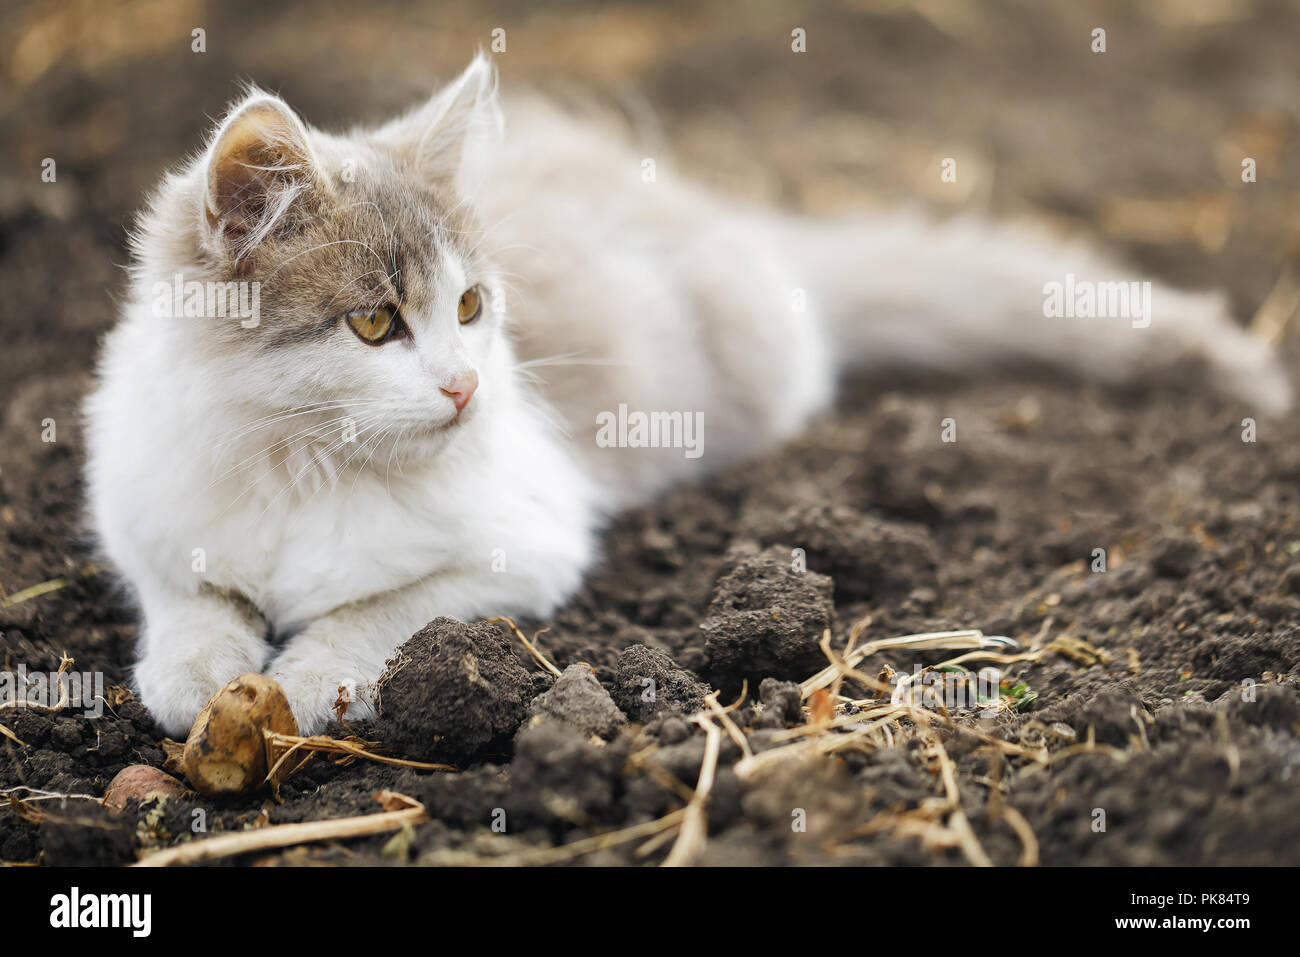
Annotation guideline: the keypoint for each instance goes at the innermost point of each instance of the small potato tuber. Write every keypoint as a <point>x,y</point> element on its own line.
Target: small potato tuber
<point>225,754</point>
<point>139,782</point>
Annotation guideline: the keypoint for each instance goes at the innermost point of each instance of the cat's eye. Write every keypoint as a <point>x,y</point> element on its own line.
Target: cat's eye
<point>375,326</point>
<point>471,304</point>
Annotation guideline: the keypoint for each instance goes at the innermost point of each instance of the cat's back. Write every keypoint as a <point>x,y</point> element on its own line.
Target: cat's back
<point>656,294</point>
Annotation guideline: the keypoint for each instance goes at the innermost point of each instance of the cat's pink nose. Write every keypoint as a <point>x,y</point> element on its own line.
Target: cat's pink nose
<point>461,388</point>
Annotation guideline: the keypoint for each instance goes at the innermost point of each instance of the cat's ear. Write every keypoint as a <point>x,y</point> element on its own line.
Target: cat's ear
<point>446,138</point>
<point>260,174</point>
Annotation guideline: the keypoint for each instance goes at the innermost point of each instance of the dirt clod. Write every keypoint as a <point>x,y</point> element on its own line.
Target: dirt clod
<point>766,620</point>
<point>649,683</point>
<point>782,704</point>
<point>454,690</point>
<point>558,775</point>
<point>868,559</point>
<point>1174,556</point>
<point>579,700</point>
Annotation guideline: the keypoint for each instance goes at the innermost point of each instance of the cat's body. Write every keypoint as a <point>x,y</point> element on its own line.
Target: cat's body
<point>256,536</point>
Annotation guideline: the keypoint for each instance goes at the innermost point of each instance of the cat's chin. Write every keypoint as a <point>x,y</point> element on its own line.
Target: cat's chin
<point>428,440</point>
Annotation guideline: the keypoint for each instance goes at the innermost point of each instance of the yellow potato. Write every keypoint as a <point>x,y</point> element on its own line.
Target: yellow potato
<point>138,782</point>
<point>225,754</point>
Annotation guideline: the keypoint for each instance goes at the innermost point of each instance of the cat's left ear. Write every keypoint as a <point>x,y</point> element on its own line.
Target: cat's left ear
<point>447,138</point>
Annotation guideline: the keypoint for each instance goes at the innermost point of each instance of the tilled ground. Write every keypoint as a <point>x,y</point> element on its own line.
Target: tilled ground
<point>1167,731</point>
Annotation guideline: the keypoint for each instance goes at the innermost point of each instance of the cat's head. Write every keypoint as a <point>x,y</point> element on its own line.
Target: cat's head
<point>375,296</point>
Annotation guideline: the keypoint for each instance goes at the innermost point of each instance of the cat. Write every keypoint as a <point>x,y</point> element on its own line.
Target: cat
<point>415,419</point>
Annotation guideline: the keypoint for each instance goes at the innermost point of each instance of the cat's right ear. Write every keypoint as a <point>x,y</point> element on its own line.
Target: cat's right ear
<point>261,174</point>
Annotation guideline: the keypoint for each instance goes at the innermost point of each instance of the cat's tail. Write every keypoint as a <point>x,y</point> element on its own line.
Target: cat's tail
<point>900,291</point>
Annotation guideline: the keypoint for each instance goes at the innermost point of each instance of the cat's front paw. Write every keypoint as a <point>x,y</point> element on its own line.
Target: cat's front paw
<point>317,689</point>
<point>175,687</point>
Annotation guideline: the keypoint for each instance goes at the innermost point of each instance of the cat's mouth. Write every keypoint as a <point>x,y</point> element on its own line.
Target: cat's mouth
<point>456,421</point>
<point>441,428</point>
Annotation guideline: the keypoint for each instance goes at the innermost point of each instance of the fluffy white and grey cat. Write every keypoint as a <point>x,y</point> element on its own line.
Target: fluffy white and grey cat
<point>407,427</point>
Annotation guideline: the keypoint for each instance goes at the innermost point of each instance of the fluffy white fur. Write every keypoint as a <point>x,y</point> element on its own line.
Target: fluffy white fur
<point>318,558</point>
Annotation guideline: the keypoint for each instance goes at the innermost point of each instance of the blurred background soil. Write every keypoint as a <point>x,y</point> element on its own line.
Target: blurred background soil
<point>1140,148</point>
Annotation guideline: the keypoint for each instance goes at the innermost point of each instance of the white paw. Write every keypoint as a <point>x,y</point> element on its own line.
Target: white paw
<point>315,687</point>
<point>175,685</point>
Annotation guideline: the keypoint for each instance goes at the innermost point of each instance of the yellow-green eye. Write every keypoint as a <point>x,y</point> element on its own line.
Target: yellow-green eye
<point>471,304</point>
<point>374,325</point>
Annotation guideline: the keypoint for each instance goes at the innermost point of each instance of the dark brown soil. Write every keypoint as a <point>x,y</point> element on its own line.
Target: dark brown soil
<point>1201,591</point>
